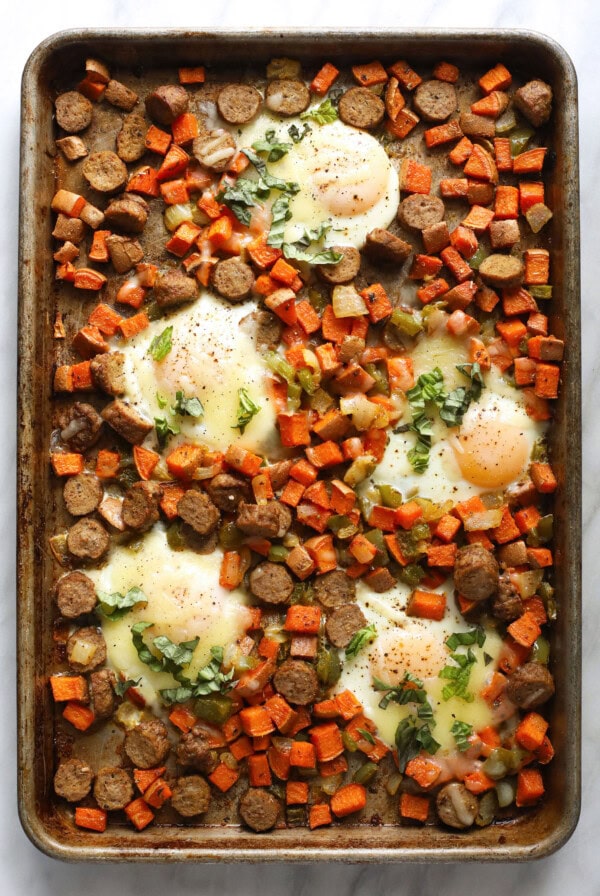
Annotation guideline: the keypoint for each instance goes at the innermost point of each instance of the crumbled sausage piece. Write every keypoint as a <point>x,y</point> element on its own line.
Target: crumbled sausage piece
<point>259,809</point>
<point>113,788</point>
<point>167,103</point>
<point>534,100</point>
<point>214,149</point>
<point>73,780</point>
<point>119,95</point>
<point>296,681</point>
<point>197,510</point>
<point>345,270</point>
<point>271,520</point>
<point>82,427</point>
<point>108,372</point>
<point>361,108</point>
<point>174,288</point>
<point>271,583</point>
<point>73,111</point>
<point>350,349</point>
<point>530,686</point>
<point>127,421</point>
<point>227,490</point>
<point>384,247</point>
<point>131,139</point>
<point>475,572</point>
<point>504,234</point>
<point>147,745</point>
<point>233,279</point>
<point>75,595</point>
<point>88,540</point>
<point>267,329</point>
<point>72,148</point>
<point>124,252</point>
<point>435,238</point>
<point>287,97</point>
<point>194,751</point>
<point>191,796</point>
<point>86,649</point>
<point>129,213</point>
<point>105,171</point>
<point>238,103</point>
<point>140,506</point>
<point>82,494</point>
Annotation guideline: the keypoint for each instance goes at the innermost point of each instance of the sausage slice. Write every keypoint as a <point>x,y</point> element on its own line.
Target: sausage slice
<point>191,796</point>
<point>73,111</point>
<point>503,271</point>
<point>124,252</point>
<point>456,806</point>
<point>197,510</point>
<point>147,744</point>
<point>384,247</point>
<point>86,649</point>
<point>75,595</point>
<point>530,686</point>
<point>297,681</point>
<point>127,421</point>
<point>82,428</point>
<point>227,491</point>
<point>131,139</point>
<point>259,809</point>
<point>345,270</point>
<point>270,520</point>
<point>117,94</point>
<point>238,103</point>
<point>361,108</point>
<point>194,751</point>
<point>167,103</point>
<point>140,506</point>
<point>419,211</point>
<point>82,494</point>
<point>271,583</point>
<point>507,604</point>
<point>88,540</point>
<point>233,279</point>
<point>344,623</point>
<point>476,572</point>
<point>105,171</point>
<point>102,688</point>
<point>73,780</point>
<point>174,288</point>
<point>334,589</point>
<point>287,97</point>
<point>108,372</point>
<point>534,100</point>
<point>128,213</point>
<point>214,149</point>
<point>113,788</point>
<point>435,100</point>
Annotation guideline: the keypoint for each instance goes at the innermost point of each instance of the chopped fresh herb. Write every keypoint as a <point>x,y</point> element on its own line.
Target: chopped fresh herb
<point>161,402</point>
<point>297,135</point>
<point>164,429</point>
<point>161,345</point>
<point>272,147</point>
<point>410,690</point>
<point>461,731</point>
<point>190,407</point>
<point>458,676</point>
<point>457,402</point>
<point>326,256</point>
<point>410,739</point>
<point>122,686</point>
<point>323,114</point>
<point>280,215</point>
<point>466,639</point>
<point>487,659</point>
<point>367,735</point>
<point>210,680</point>
<point>116,605</point>
<point>361,639</point>
<point>241,197</point>
<point>246,410</point>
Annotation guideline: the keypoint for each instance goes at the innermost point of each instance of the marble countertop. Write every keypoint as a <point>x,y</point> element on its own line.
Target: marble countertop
<point>576,26</point>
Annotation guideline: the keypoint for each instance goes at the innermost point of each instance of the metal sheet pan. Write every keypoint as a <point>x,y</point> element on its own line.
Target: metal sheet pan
<point>132,53</point>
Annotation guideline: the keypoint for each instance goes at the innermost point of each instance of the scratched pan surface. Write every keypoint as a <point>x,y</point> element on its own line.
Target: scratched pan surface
<point>143,59</point>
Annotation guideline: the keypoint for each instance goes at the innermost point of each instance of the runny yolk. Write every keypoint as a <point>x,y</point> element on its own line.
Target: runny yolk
<point>491,454</point>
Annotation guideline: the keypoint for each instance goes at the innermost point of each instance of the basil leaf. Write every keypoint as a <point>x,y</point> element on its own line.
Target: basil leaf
<point>161,402</point>
<point>461,731</point>
<point>178,654</point>
<point>323,114</point>
<point>458,676</point>
<point>176,695</point>
<point>410,690</point>
<point>143,651</point>
<point>172,656</point>
<point>115,606</point>
<point>121,687</point>
<point>272,147</point>
<point>361,639</point>
<point>466,639</point>
<point>280,215</point>
<point>246,410</point>
<point>406,743</point>
<point>326,256</point>
<point>298,135</point>
<point>210,680</point>
<point>240,198</point>
<point>190,407</point>
<point>425,738</point>
<point>164,429</point>
<point>161,345</point>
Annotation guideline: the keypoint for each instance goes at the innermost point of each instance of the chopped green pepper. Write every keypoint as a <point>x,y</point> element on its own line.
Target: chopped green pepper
<point>214,708</point>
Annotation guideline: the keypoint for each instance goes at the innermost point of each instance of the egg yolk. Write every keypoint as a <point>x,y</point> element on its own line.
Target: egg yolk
<point>415,650</point>
<point>491,454</point>
<point>346,182</point>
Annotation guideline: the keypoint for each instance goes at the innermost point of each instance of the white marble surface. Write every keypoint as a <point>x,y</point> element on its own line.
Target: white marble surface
<point>23,870</point>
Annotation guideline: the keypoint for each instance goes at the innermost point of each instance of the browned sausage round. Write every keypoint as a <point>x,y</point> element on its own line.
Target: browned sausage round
<point>102,688</point>
<point>131,139</point>
<point>476,572</point>
<point>214,149</point>
<point>271,520</point>
<point>73,780</point>
<point>167,103</point>
<point>344,623</point>
<point>194,751</point>
<point>435,100</point>
<point>296,681</point>
<point>361,108</point>
<point>82,427</point>
<point>345,270</point>
<point>174,288</point>
<point>279,473</point>
<point>287,97</point>
<point>108,372</point>
<point>191,796</point>
<point>198,511</point>
<point>127,421</point>
<point>119,95</point>
<point>124,252</point>
<point>73,111</point>
<point>334,589</point>
<point>506,604</point>
<point>534,100</point>
<point>479,126</point>
<point>88,539</point>
<point>456,806</point>
<point>502,270</point>
<point>233,279</point>
<point>147,744</point>
<point>113,788</point>
<point>530,686</point>
<point>82,494</point>
<point>127,213</point>
<point>264,327</point>
<point>86,649</point>
<point>140,505</point>
<point>227,491</point>
<point>419,211</point>
<point>259,809</point>
<point>75,595</point>
<point>104,171</point>
<point>271,583</point>
<point>238,103</point>
<point>383,246</point>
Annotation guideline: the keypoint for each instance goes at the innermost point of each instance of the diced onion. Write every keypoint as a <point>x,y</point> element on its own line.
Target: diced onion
<point>362,411</point>
<point>83,652</point>
<point>360,469</point>
<point>347,302</point>
<point>528,582</point>
<point>177,214</point>
<point>486,519</point>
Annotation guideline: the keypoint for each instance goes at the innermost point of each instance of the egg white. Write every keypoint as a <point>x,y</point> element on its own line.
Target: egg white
<point>346,179</point>
<point>213,355</point>
<point>406,644</point>
<point>185,601</point>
